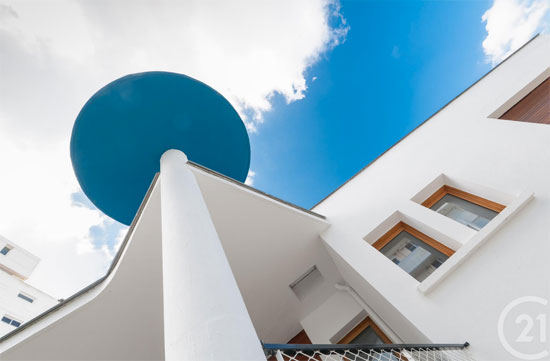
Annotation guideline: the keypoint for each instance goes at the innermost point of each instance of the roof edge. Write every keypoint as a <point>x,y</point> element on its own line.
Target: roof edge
<point>254,190</point>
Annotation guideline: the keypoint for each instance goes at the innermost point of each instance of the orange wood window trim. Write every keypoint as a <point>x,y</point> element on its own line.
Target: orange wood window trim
<point>400,227</point>
<point>534,107</point>
<point>443,191</point>
<point>362,326</point>
<point>301,338</point>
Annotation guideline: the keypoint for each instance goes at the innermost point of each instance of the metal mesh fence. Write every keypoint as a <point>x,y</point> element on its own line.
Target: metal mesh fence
<point>354,353</point>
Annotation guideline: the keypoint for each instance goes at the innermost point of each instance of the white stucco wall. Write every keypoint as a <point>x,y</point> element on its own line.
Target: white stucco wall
<point>268,244</point>
<point>15,307</point>
<point>505,161</point>
<point>333,319</point>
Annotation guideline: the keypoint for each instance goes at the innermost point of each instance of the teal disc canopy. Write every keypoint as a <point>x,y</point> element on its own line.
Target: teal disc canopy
<point>123,130</point>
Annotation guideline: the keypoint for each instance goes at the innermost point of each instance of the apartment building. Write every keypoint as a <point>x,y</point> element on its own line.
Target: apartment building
<point>19,301</point>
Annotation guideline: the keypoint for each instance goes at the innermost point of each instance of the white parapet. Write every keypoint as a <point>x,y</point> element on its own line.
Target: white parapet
<point>205,317</point>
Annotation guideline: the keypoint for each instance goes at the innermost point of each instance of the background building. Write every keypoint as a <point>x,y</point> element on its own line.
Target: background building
<point>19,301</point>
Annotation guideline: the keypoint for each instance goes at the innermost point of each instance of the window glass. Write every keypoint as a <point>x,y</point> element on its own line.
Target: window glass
<point>9,321</point>
<point>5,250</point>
<point>414,256</point>
<point>368,336</point>
<point>467,213</point>
<point>26,298</point>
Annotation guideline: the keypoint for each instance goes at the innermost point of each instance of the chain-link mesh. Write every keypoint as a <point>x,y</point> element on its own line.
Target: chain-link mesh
<point>392,354</point>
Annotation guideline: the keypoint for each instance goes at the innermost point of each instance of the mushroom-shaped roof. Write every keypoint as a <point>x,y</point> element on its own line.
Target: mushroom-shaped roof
<point>124,128</point>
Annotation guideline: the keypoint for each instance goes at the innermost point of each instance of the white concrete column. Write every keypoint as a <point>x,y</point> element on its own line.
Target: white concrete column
<point>205,317</point>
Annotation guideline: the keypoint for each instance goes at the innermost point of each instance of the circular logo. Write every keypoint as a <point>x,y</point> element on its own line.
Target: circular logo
<point>522,326</point>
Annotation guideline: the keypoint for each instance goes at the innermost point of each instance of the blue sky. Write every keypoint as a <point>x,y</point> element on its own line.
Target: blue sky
<point>400,62</point>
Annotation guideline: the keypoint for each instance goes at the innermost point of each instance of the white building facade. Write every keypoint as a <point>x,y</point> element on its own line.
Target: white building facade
<point>442,239</point>
<point>19,301</point>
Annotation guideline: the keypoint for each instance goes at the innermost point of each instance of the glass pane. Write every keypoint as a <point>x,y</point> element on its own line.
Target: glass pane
<point>6,320</point>
<point>5,250</point>
<point>414,256</point>
<point>467,213</point>
<point>26,298</point>
<point>368,336</point>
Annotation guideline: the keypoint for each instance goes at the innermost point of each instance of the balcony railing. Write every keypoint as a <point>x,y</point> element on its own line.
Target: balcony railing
<point>433,352</point>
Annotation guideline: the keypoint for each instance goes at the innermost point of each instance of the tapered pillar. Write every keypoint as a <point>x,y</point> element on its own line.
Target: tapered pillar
<point>205,317</point>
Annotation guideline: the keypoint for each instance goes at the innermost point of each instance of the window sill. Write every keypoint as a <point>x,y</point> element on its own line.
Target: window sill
<point>474,243</point>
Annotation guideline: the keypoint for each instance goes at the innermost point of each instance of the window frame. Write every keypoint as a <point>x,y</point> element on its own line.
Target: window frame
<point>362,326</point>
<point>403,227</point>
<point>469,197</point>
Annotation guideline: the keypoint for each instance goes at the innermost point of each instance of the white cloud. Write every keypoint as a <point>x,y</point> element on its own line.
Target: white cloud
<point>511,23</point>
<point>250,178</point>
<point>56,54</point>
<point>36,212</point>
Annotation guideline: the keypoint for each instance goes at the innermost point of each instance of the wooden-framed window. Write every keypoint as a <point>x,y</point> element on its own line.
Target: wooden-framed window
<point>466,208</point>
<point>414,252</point>
<point>366,332</point>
